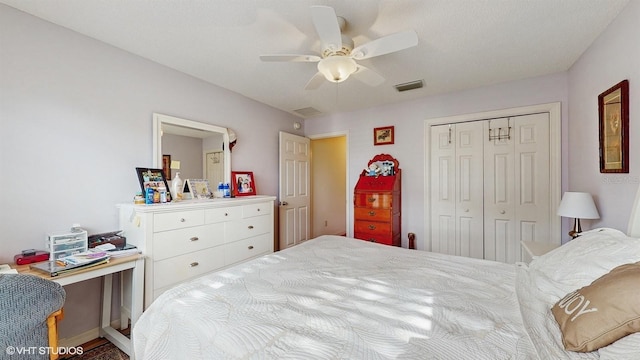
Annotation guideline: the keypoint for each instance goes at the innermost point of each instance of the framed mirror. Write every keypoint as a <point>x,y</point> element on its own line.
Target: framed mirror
<point>197,150</point>
<point>613,111</point>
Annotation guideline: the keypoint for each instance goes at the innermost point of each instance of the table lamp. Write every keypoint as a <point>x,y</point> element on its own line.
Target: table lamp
<point>578,205</point>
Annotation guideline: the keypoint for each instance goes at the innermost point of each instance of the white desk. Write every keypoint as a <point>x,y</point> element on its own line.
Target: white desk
<point>535,249</point>
<point>106,271</point>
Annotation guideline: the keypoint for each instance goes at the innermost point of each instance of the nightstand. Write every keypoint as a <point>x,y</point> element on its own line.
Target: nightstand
<point>534,249</point>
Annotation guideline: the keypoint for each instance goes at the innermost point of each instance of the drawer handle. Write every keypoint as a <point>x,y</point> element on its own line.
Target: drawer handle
<point>194,264</point>
<point>250,227</point>
<point>195,238</point>
<point>225,214</point>
<point>372,240</point>
<point>372,213</point>
<point>258,209</point>
<point>371,199</point>
<point>182,220</point>
<point>372,227</point>
<point>250,247</point>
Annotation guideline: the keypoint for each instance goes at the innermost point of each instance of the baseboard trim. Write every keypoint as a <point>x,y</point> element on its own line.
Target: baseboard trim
<point>85,336</point>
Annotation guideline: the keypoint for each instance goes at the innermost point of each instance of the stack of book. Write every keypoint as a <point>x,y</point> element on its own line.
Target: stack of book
<point>72,262</point>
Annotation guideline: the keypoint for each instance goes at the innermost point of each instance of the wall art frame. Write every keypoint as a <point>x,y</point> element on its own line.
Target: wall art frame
<point>613,120</point>
<point>383,135</point>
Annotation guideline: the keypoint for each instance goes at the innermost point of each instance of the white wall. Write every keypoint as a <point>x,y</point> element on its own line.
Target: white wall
<point>75,121</point>
<point>408,119</point>
<point>613,57</point>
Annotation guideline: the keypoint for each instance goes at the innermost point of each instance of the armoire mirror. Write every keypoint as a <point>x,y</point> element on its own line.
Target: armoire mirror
<point>202,149</point>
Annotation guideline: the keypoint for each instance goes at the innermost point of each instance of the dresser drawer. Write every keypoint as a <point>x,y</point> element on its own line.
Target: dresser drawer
<point>245,228</point>
<point>372,227</point>
<point>247,248</point>
<point>171,243</point>
<point>256,209</point>
<point>369,214</point>
<point>180,268</point>
<point>177,220</point>
<point>373,200</point>
<point>219,215</point>
<point>380,239</point>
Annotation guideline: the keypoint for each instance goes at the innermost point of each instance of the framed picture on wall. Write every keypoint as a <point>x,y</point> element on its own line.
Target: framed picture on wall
<point>166,166</point>
<point>613,114</point>
<point>243,183</point>
<point>383,135</point>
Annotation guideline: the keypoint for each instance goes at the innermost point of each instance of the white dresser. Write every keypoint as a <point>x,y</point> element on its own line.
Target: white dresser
<point>187,239</point>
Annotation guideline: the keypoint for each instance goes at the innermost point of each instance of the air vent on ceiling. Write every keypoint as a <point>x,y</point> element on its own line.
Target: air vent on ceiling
<point>409,86</point>
<point>308,111</point>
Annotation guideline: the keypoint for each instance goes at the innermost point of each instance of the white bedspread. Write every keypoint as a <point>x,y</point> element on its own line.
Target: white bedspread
<point>339,298</point>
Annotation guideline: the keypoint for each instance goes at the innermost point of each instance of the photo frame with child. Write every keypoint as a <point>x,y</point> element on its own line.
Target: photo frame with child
<point>243,183</point>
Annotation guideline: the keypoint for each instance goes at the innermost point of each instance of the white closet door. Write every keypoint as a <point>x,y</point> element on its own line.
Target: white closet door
<point>516,186</point>
<point>456,189</point>
<point>443,189</point>
<point>469,190</point>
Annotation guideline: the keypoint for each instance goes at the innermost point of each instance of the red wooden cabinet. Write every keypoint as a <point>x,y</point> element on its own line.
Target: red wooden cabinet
<point>377,203</point>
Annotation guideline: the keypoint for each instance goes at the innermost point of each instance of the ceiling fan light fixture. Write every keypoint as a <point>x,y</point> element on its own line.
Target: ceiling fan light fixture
<point>337,68</point>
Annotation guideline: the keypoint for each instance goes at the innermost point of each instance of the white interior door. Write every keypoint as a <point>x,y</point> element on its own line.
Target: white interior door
<point>294,189</point>
<point>214,168</point>
<point>443,190</point>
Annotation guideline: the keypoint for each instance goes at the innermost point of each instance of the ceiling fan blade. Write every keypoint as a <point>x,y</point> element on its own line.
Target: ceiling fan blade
<point>315,82</point>
<point>327,26</point>
<point>385,45</point>
<point>368,76</point>
<point>290,58</point>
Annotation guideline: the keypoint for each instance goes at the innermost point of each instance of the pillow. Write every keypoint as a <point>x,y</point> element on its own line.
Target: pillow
<point>584,259</point>
<point>601,313</point>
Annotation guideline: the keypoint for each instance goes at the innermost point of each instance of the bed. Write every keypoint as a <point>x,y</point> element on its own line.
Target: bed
<point>339,298</point>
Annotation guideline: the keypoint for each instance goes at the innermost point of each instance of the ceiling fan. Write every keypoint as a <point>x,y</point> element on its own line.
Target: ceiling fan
<point>338,59</point>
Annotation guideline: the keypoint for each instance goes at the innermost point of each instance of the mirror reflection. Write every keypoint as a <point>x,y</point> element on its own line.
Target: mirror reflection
<point>195,150</point>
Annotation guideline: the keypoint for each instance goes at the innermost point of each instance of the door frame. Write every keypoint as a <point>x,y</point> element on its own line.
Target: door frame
<point>555,161</point>
<point>349,195</point>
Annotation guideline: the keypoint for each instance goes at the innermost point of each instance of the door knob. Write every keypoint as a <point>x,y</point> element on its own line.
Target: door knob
<point>283,203</point>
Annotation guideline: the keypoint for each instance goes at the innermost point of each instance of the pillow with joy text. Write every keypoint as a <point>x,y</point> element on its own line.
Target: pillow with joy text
<point>601,313</point>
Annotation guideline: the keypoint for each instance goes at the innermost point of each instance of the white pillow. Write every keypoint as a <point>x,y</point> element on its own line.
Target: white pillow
<point>582,260</point>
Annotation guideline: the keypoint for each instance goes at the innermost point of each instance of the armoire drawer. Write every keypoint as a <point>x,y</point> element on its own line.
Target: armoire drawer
<point>245,228</point>
<point>171,243</point>
<point>361,226</point>
<point>373,200</point>
<point>244,249</point>
<point>180,268</point>
<point>369,214</point>
<point>177,220</point>
<point>376,238</point>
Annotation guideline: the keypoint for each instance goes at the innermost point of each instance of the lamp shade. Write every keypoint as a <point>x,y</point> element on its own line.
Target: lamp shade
<point>578,205</point>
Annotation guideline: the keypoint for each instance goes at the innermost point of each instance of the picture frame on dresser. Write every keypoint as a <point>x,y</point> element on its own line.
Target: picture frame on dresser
<point>154,179</point>
<point>199,188</point>
<point>243,183</point>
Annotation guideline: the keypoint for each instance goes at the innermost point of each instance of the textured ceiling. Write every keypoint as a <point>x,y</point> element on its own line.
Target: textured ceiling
<point>462,43</point>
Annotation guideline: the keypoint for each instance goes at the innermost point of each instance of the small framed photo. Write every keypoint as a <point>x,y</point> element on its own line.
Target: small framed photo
<point>199,188</point>
<point>243,183</point>
<point>154,179</point>
<point>383,135</point>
